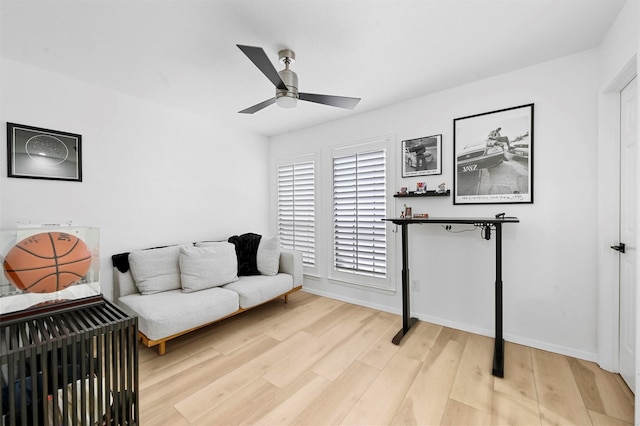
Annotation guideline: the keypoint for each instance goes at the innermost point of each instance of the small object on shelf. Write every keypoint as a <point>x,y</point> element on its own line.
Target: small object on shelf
<point>425,194</point>
<point>441,188</point>
<point>403,191</point>
<point>421,187</point>
<point>421,215</point>
<point>407,211</point>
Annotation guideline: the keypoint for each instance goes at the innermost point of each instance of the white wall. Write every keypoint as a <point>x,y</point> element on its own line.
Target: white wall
<point>549,268</point>
<point>152,175</point>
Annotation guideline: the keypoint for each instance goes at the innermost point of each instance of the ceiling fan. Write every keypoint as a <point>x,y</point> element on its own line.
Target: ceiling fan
<point>286,82</point>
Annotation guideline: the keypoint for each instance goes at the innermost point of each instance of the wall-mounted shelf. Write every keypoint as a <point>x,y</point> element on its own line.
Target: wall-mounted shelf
<point>447,193</point>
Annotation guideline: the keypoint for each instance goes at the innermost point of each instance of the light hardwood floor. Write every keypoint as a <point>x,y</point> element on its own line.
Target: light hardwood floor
<point>318,361</point>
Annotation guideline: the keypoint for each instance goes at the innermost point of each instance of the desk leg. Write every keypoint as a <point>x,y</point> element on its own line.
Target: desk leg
<point>407,321</point>
<point>498,350</point>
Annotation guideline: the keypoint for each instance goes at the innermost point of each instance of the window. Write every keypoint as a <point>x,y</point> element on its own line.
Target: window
<point>296,209</point>
<point>359,205</point>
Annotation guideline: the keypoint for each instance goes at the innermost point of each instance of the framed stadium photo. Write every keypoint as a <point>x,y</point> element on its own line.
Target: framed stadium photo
<point>422,156</point>
<point>493,157</point>
<point>37,153</point>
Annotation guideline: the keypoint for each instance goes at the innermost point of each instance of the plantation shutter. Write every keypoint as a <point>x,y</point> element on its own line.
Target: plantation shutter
<point>296,209</point>
<point>359,205</point>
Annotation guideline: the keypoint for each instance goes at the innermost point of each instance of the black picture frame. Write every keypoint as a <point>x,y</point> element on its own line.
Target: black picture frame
<point>493,157</point>
<point>422,156</point>
<point>37,153</point>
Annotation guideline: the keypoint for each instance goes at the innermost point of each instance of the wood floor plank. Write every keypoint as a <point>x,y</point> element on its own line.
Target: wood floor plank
<point>159,369</point>
<point>600,391</point>
<point>203,337</point>
<point>155,363</point>
<point>346,311</point>
<point>280,397</point>
<point>382,350</point>
<point>457,414</point>
<point>285,412</point>
<point>383,397</point>
<point>300,318</point>
<point>559,399</point>
<point>292,367</point>
<point>333,404</point>
<point>625,388</point>
<point>217,392</point>
<point>599,419</point>
<point>474,382</point>
<point>341,356</point>
<point>256,398</point>
<point>426,399</point>
<point>509,409</point>
<point>185,383</point>
<point>206,336</point>
<point>518,378</point>
<point>146,354</point>
<point>446,335</point>
<point>165,415</point>
<point>419,340</point>
<point>280,326</point>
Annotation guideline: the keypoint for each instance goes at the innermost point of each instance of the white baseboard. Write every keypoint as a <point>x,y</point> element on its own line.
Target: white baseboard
<point>382,308</point>
<point>532,343</point>
<point>525,341</point>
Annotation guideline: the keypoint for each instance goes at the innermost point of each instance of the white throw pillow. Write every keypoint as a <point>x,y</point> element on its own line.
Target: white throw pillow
<point>155,270</point>
<point>268,257</point>
<point>208,266</point>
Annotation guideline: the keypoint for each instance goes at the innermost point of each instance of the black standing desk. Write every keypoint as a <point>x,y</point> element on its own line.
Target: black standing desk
<point>486,224</point>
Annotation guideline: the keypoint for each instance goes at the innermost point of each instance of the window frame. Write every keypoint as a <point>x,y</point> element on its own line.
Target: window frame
<point>358,279</point>
<point>300,159</point>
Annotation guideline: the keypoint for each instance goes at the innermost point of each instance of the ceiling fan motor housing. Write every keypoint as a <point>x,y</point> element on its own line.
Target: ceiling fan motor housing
<point>288,98</point>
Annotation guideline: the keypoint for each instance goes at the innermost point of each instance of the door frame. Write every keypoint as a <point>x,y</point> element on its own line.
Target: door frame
<point>608,206</point>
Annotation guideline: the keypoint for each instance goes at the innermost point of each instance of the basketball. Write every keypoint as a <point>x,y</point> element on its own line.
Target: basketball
<point>47,262</point>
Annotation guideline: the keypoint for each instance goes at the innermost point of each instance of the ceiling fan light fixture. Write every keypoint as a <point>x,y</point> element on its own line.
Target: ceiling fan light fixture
<point>286,100</point>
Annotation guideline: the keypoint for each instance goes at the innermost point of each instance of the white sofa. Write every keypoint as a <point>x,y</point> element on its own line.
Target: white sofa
<point>174,290</point>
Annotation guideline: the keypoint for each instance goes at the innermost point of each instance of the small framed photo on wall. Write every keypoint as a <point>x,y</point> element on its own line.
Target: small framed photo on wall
<point>422,156</point>
<point>36,153</point>
<point>493,157</point>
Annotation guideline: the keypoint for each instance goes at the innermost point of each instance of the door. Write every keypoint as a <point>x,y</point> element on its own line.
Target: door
<point>628,232</point>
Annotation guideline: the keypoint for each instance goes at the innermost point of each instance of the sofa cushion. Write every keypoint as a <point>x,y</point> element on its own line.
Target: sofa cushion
<point>254,290</point>
<point>246,251</point>
<point>156,270</point>
<point>207,266</point>
<point>268,256</point>
<point>164,314</point>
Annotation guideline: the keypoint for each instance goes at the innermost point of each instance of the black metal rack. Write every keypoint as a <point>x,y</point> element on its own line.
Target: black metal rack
<point>77,365</point>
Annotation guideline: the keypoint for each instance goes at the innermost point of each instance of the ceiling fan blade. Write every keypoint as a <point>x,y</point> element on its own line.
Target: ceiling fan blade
<point>336,101</point>
<point>258,107</point>
<point>260,59</point>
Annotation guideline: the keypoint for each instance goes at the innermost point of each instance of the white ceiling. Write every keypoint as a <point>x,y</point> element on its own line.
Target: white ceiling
<point>183,53</point>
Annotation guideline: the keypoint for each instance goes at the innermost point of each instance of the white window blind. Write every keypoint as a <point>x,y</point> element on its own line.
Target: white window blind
<point>359,205</point>
<point>296,209</point>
